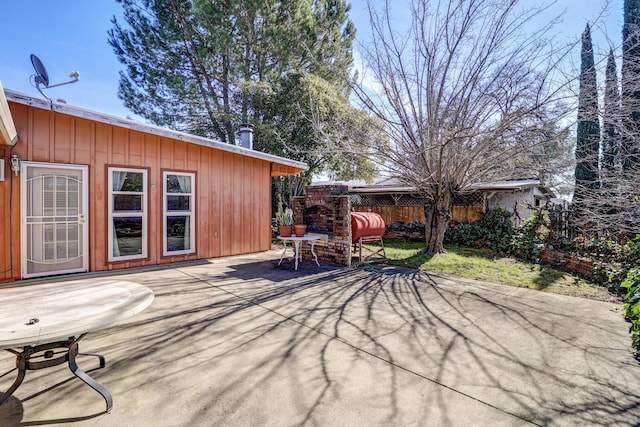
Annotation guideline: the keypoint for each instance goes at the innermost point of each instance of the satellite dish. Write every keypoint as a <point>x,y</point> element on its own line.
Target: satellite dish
<point>41,77</point>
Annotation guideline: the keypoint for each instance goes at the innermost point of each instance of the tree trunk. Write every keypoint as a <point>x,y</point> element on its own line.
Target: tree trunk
<point>437,216</point>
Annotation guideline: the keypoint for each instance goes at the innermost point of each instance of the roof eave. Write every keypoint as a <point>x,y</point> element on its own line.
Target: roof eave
<point>8,134</point>
<point>279,165</point>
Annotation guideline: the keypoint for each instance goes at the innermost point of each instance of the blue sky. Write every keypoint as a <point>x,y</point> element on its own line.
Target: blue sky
<point>67,35</point>
<point>71,35</point>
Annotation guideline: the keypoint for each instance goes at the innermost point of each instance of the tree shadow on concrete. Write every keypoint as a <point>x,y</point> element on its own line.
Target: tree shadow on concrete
<point>345,346</point>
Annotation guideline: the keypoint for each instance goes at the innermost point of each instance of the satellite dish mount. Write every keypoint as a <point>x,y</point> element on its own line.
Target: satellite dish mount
<point>41,77</point>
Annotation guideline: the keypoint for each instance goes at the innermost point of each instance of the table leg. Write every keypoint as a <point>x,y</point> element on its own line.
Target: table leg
<point>313,242</point>
<point>283,252</point>
<point>45,352</point>
<point>296,245</point>
<point>20,366</point>
<point>73,366</point>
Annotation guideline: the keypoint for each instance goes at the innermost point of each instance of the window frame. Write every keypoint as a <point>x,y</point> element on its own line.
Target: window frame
<point>191,213</point>
<point>143,213</point>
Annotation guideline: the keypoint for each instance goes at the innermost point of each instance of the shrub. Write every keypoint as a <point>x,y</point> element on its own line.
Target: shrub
<point>632,306</point>
<point>527,240</point>
<point>615,261</point>
<point>463,234</point>
<point>632,248</point>
<point>493,230</point>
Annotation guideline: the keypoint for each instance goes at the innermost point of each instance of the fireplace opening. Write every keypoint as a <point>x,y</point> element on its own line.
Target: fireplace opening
<point>319,219</point>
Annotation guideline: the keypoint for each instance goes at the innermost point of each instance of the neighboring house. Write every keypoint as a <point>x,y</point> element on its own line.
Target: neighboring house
<point>397,202</point>
<point>93,192</point>
<point>519,196</point>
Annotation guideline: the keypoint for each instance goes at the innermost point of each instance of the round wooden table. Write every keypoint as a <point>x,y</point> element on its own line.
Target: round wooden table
<point>37,320</point>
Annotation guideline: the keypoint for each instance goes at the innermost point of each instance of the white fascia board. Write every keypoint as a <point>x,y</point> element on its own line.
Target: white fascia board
<point>71,110</point>
<point>7,127</point>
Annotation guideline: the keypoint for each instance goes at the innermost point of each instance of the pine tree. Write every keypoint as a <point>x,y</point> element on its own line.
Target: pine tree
<point>588,134</point>
<point>207,67</point>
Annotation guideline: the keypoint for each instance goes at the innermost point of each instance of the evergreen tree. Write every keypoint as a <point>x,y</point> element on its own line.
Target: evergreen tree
<point>607,205</point>
<point>588,134</point>
<point>630,87</point>
<point>627,203</point>
<point>333,31</point>
<point>610,121</point>
<point>208,66</point>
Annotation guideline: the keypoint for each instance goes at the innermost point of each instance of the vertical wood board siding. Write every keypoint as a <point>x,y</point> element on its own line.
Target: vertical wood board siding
<point>232,196</point>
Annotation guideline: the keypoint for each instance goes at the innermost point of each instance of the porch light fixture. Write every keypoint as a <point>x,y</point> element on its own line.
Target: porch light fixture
<point>15,164</point>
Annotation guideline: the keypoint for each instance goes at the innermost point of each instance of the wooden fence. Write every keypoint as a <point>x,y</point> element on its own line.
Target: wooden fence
<point>391,213</point>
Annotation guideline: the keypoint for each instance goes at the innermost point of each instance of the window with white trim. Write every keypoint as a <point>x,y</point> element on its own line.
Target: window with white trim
<point>178,223</point>
<point>127,238</point>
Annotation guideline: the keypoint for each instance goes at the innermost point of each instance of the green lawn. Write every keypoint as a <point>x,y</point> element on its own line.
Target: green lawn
<point>483,265</point>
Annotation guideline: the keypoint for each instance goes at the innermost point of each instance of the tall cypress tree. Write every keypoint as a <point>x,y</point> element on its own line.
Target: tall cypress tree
<point>610,149</point>
<point>588,135</point>
<point>610,122</point>
<point>630,86</point>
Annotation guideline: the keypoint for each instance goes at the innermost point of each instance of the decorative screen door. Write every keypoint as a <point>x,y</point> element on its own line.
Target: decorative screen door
<point>54,226</point>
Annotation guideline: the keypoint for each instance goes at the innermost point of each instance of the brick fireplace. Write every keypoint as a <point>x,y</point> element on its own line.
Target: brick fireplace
<point>326,210</point>
<point>319,219</point>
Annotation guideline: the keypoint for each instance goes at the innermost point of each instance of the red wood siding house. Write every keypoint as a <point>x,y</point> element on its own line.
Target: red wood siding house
<point>96,193</point>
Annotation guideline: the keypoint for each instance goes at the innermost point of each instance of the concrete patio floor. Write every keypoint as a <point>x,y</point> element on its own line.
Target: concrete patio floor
<point>239,341</point>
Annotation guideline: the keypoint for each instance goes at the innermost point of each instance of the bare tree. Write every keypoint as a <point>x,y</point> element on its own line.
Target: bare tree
<point>465,89</point>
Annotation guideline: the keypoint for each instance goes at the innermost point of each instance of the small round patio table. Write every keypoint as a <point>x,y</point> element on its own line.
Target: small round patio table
<point>42,324</point>
<point>297,240</point>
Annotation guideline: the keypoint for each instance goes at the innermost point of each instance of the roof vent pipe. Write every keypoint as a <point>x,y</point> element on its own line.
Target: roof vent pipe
<point>246,136</point>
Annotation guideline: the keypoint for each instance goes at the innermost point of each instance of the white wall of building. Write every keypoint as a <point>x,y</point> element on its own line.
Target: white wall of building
<point>520,201</point>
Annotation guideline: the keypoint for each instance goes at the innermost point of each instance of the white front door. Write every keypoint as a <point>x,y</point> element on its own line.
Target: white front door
<point>54,225</point>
